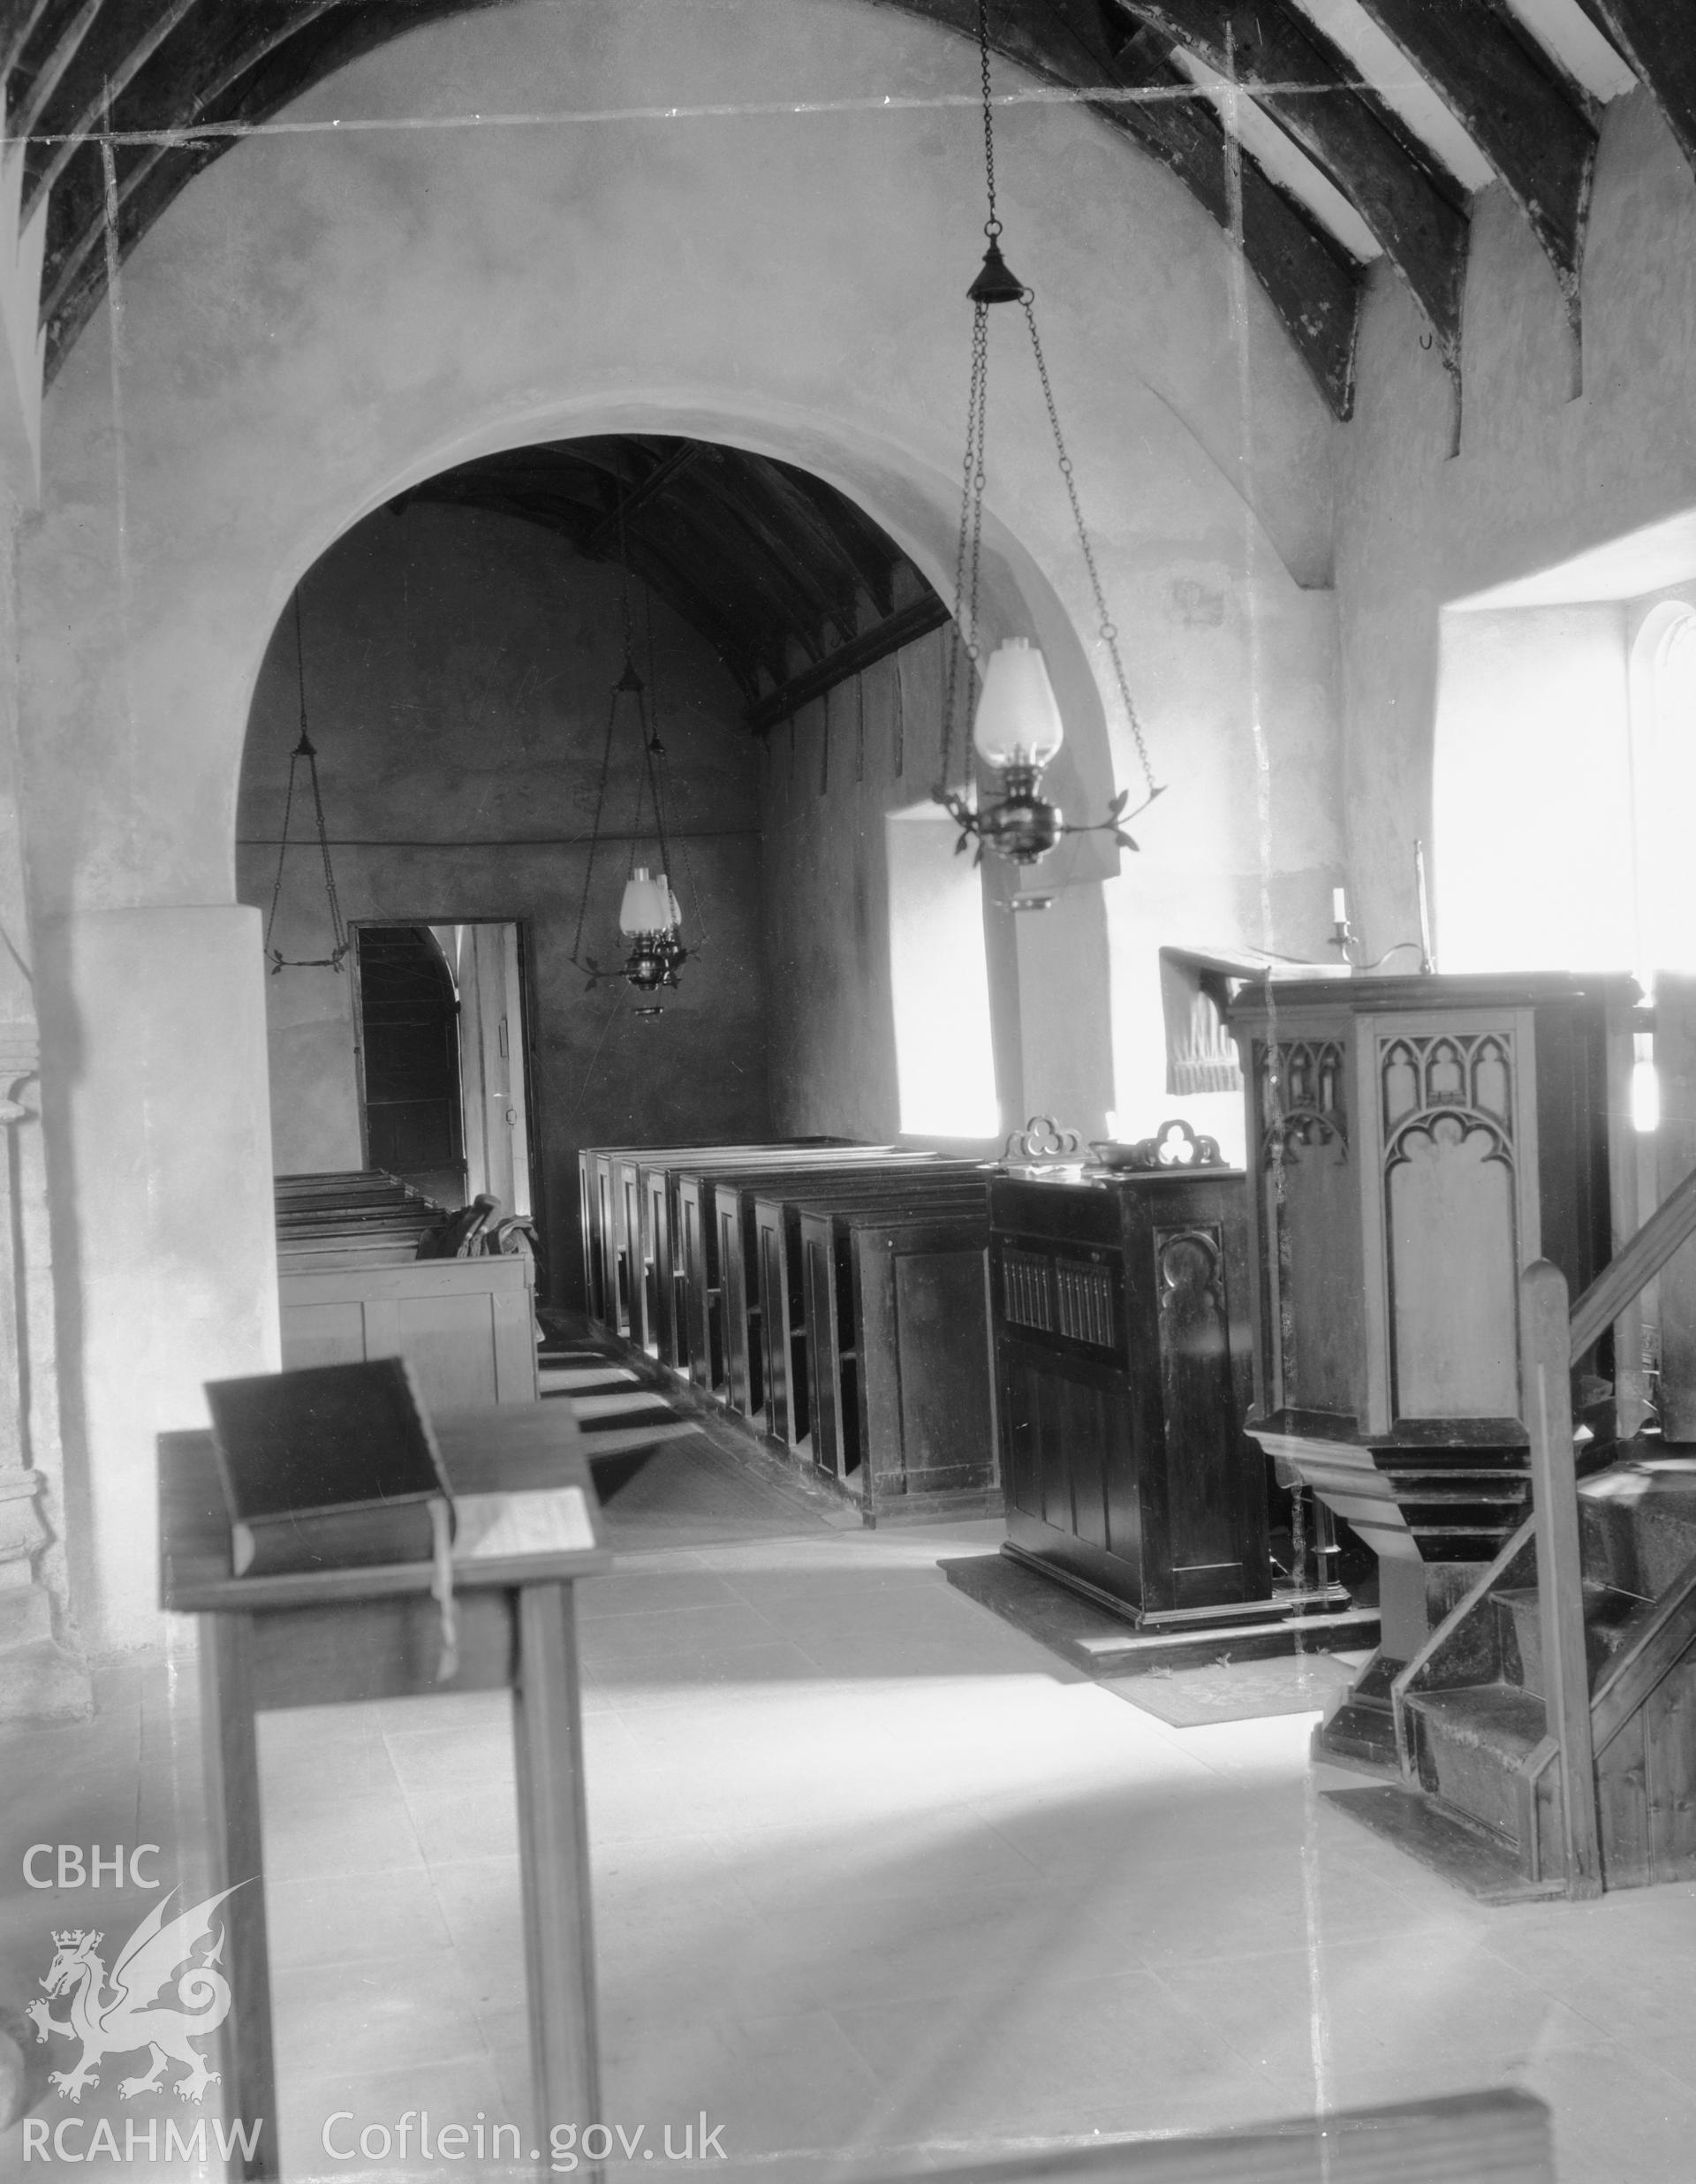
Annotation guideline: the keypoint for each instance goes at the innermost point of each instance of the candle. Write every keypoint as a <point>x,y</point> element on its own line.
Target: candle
<point>1339,906</point>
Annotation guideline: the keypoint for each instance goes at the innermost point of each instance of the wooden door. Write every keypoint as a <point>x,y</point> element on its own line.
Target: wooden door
<point>409,1060</point>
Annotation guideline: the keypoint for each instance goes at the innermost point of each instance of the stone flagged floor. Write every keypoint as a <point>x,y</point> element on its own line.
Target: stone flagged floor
<point>879,1885</point>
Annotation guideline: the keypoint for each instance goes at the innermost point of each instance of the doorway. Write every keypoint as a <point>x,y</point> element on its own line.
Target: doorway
<point>443,1052</point>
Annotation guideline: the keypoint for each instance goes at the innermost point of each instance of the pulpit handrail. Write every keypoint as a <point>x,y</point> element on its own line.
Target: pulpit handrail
<point>1671,1225</point>
<point>1553,1336</point>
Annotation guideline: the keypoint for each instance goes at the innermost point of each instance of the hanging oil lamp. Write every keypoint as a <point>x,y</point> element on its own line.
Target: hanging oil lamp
<point>650,917</point>
<point>306,751</point>
<point>1018,729</point>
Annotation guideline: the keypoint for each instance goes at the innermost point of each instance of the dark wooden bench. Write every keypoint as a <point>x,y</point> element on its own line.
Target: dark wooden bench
<point>608,1226</point>
<point>899,1354</point>
<point>694,1239</point>
<point>739,1304</point>
<point>657,1251</point>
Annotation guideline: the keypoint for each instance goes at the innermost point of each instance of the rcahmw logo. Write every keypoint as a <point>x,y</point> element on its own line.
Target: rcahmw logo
<point>157,1996</point>
<point>147,2141</point>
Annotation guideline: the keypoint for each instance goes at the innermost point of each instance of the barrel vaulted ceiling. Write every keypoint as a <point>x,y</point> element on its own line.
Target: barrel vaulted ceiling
<point>1325,133</point>
<point>794,586</point>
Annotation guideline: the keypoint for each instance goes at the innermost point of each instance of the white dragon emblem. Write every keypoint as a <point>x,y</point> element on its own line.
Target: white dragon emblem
<point>117,2013</point>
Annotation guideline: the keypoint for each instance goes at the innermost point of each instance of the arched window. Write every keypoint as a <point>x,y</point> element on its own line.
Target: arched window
<point>939,979</point>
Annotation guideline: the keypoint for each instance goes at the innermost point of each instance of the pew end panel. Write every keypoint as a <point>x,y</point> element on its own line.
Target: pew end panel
<point>467,1327</point>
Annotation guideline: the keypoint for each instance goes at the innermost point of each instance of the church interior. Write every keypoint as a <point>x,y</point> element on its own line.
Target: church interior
<point>991,954</point>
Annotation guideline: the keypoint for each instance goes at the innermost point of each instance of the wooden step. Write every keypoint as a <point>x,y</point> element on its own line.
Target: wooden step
<point>1361,1732</point>
<point>1609,1618</point>
<point>1444,1842</point>
<point>1470,1744</point>
<point>1638,1530</point>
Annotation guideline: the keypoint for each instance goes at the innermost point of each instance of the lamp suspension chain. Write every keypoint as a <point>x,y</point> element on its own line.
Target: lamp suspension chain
<point>305,748</point>
<point>594,835</point>
<point>656,748</point>
<point>992,225</point>
<point>648,914</point>
<point>1014,719</point>
<point>963,653</point>
<point>1106,627</point>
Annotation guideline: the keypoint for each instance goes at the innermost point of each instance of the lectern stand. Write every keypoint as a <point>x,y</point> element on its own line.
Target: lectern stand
<point>343,1635</point>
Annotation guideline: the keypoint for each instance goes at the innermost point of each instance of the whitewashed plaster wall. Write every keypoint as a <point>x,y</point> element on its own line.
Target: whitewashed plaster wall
<point>1541,473</point>
<point>326,316</point>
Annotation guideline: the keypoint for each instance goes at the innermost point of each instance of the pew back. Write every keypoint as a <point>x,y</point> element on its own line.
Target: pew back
<point>898,1335</point>
<point>659,1258</point>
<point>606,1251</point>
<point>779,1282</point>
<point>740,1307</point>
<point>683,1214</point>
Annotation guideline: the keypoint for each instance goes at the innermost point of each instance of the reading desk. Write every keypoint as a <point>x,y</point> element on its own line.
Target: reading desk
<point>338,1635</point>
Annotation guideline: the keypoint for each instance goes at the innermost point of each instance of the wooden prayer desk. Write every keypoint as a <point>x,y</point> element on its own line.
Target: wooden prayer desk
<point>341,1634</point>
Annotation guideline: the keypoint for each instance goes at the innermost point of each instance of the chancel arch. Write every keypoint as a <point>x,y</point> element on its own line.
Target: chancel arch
<point>790,284</point>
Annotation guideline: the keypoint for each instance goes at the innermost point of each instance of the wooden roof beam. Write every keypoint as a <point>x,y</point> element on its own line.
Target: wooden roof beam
<point>1312,282</point>
<point>797,562</point>
<point>902,627</point>
<point>653,565</point>
<point>695,533</point>
<point>633,498</point>
<point>871,556</point>
<point>1536,129</point>
<point>1654,39</point>
<point>102,69</point>
<point>199,64</point>
<point>257,75</point>
<point>1417,215</point>
<point>25,120</point>
<point>16,31</point>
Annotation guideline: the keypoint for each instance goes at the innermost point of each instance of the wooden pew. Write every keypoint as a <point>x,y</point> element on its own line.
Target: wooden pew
<point>350,1285</point>
<point>605,1275</point>
<point>646,1200</point>
<point>467,1327</point>
<point>330,1222</point>
<point>778,1282</point>
<point>609,1225</point>
<point>740,1303</point>
<point>900,1355</point>
<point>695,1241</point>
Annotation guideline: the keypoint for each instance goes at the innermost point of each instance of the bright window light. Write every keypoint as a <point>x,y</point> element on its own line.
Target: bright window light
<point>939,974</point>
<point>1645,1097</point>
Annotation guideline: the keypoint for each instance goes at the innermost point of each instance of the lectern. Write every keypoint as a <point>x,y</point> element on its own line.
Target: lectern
<point>1413,1143</point>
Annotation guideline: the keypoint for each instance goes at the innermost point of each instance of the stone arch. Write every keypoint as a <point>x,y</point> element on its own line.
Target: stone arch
<point>327,315</point>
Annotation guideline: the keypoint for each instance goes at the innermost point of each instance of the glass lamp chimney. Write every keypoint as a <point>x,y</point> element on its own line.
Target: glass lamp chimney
<point>1018,719</point>
<point>648,905</point>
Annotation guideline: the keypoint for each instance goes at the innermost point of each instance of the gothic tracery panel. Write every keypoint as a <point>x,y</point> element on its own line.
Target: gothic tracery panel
<point>1309,1222</point>
<point>1451,1223</point>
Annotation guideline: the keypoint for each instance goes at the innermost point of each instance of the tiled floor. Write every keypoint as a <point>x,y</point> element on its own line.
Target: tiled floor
<point>877,1885</point>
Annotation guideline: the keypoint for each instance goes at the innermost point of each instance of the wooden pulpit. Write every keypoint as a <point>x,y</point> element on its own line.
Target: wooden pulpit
<point>1413,1143</point>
